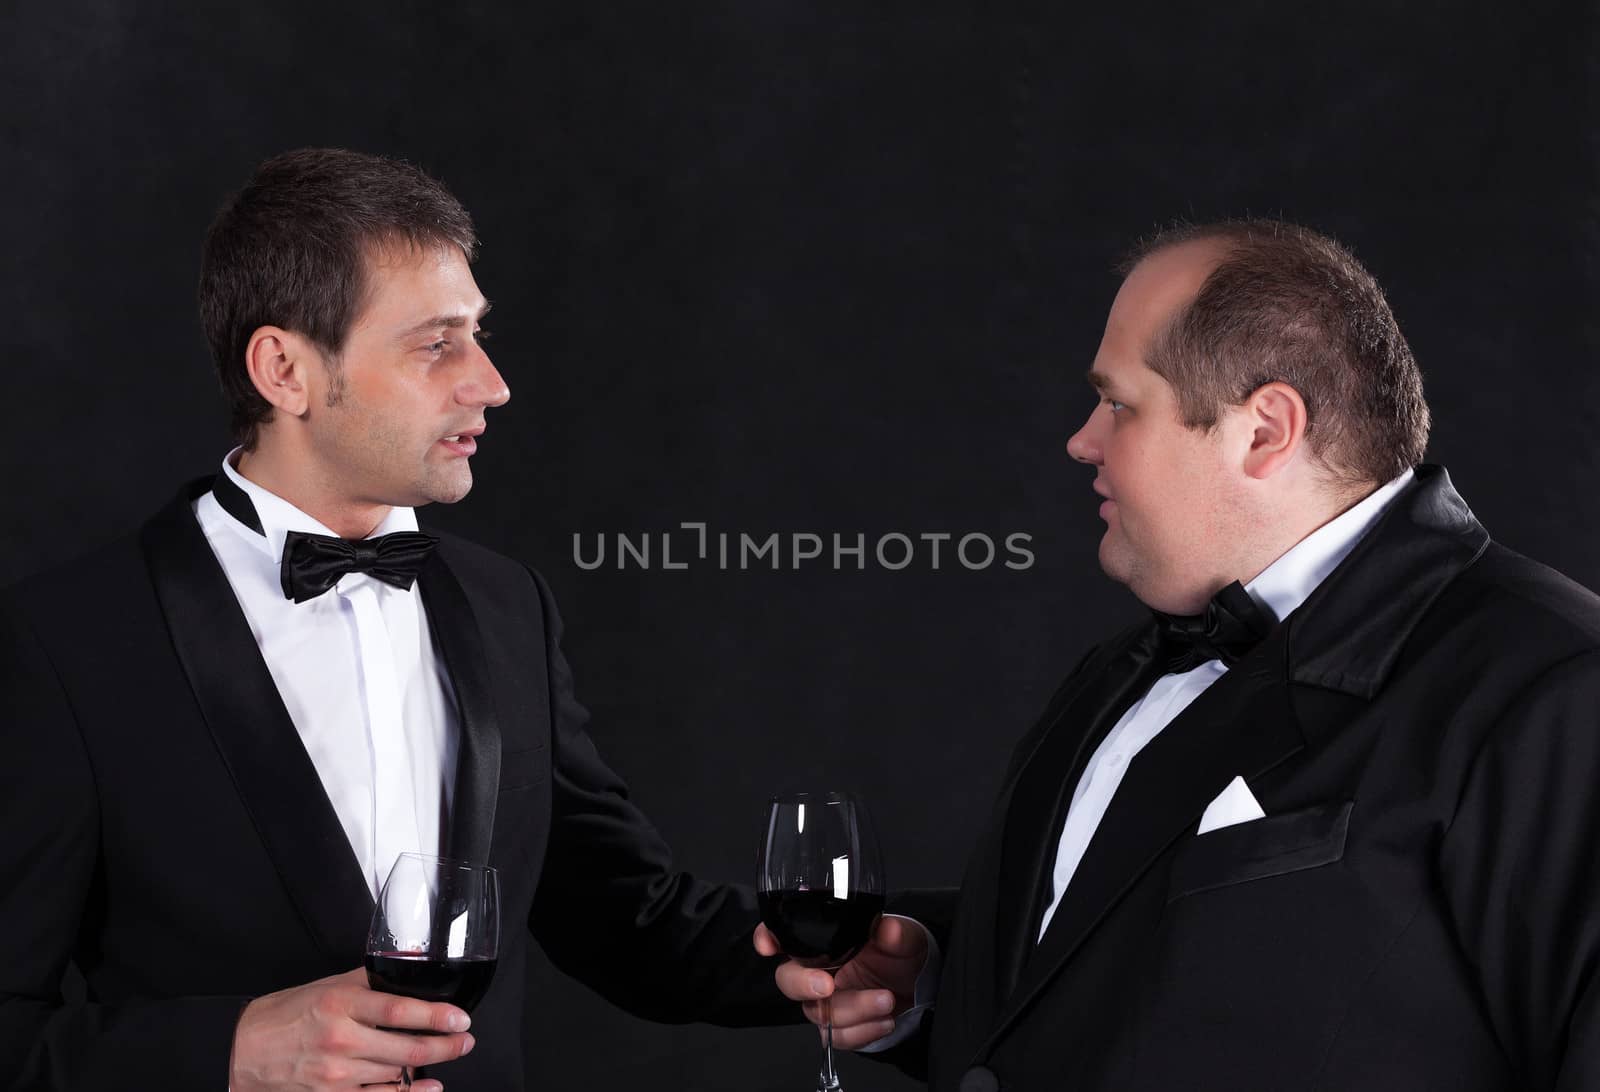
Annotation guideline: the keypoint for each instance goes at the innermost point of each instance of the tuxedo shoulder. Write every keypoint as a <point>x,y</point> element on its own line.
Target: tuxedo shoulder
<point>103,574</point>
<point>1508,591</point>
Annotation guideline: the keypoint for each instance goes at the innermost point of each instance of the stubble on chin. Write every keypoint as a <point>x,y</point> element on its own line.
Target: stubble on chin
<point>450,487</point>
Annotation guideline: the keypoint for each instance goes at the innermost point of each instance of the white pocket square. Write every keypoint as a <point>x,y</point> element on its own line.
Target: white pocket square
<point>1235,804</point>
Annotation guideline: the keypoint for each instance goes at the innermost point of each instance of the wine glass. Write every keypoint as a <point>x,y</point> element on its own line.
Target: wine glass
<point>435,932</point>
<point>820,887</point>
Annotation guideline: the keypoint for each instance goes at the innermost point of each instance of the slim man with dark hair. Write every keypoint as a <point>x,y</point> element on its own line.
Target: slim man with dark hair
<point>1329,818</point>
<point>220,732</point>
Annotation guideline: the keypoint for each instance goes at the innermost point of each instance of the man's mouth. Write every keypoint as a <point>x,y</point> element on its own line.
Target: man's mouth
<point>1107,505</point>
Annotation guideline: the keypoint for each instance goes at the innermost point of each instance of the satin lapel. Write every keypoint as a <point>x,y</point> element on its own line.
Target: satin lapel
<point>271,771</point>
<point>1242,726</point>
<point>1043,789</point>
<point>456,633</point>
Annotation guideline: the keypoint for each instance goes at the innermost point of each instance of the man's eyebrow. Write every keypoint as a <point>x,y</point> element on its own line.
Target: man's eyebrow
<point>451,322</point>
<point>1100,381</point>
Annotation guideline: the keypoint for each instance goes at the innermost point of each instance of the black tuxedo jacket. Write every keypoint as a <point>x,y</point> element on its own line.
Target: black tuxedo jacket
<point>1420,907</point>
<point>166,831</point>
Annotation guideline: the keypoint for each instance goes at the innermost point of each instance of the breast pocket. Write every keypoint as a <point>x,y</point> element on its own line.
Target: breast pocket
<point>523,769</point>
<point>1261,848</point>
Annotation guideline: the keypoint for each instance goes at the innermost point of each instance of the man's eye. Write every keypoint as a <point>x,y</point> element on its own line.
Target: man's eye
<point>438,346</point>
<point>1114,404</point>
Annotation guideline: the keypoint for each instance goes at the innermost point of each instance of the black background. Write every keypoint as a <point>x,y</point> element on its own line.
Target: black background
<point>802,268</point>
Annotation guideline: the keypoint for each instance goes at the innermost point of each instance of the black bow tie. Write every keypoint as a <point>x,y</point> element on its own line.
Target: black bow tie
<point>1230,627</point>
<point>314,563</point>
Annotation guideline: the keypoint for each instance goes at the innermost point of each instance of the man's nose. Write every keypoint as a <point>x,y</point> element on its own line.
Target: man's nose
<point>1084,445</point>
<point>485,386</point>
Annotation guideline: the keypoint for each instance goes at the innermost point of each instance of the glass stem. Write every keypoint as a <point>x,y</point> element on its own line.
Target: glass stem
<point>827,1080</point>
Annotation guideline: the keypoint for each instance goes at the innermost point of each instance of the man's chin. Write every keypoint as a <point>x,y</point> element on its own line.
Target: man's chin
<point>1113,562</point>
<point>450,490</point>
<point>1122,567</point>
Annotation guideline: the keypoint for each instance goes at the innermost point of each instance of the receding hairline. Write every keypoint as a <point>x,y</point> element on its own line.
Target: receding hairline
<point>1212,253</point>
<point>1231,235</point>
<point>1310,284</point>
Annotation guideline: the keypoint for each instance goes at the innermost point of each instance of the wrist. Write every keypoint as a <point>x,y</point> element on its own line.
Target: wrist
<point>233,1047</point>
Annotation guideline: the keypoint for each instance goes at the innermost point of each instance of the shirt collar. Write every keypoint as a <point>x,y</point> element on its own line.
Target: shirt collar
<point>1288,581</point>
<point>279,517</point>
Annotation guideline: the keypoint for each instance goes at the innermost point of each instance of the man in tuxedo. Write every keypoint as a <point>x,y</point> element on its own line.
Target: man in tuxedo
<point>1327,819</point>
<point>220,732</point>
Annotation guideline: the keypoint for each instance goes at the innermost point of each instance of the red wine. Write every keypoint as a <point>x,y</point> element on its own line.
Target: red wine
<point>462,982</point>
<point>818,930</point>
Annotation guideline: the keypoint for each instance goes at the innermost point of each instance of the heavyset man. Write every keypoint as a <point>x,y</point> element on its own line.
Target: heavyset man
<point>1326,820</point>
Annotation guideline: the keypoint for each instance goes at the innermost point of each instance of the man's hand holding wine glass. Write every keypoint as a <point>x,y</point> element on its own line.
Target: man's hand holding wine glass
<point>869,992</point>
<point>432,947</point>
<point>820,884</point>
<point>334,1033</point>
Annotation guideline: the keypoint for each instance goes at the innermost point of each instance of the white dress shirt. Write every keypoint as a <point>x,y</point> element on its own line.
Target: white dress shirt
<point>1281,587</point>
<point>359,675</point>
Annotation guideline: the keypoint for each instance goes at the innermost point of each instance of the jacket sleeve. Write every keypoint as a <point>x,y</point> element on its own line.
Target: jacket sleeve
<point>49,846</point>
<point>614,912</point>
<point>1520,866</point>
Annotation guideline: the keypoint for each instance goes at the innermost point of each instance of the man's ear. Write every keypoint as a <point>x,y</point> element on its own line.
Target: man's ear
<point>1275,418</point>
<point>277,362</point>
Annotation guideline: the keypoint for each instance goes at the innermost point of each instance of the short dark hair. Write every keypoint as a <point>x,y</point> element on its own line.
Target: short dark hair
<point>291,249</point>
<point>1289,304</point>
